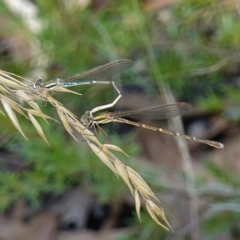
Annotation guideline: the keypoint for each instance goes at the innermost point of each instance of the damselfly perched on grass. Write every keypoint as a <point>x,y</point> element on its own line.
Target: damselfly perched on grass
<point>94,76</point>
<point>151,113</point>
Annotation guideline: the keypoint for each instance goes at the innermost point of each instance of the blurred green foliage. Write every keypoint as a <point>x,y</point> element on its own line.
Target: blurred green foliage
<point>181,46</point>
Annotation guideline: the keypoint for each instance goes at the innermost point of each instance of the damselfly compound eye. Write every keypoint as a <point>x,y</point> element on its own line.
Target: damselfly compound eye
<point>85,118</point>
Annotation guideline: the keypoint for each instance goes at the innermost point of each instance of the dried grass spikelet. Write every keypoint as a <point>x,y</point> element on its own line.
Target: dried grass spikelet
<point>11,87</point>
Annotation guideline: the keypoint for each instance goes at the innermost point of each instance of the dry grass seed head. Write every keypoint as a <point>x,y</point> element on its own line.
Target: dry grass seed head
<point>140,184</point>
<point>123,174</point>
<point>104,157</point>
<point>12,104</point>
<point>115,148</point>
<point>25,97</point>
<point>65,122</point>
<point>137,204</point>
<point>4,90</point>
<point>12,115</point>
<point>156,212</point>
<point>27,94</point>
<point>60,89</point>
<point>38,127</point>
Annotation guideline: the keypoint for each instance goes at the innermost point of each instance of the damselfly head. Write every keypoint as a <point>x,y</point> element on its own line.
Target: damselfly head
<point>38,84</point>
<point>85,119</point>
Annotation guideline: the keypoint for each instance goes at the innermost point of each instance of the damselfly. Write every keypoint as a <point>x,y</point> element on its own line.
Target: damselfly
<point>93,76</point>
<point>151,113</point>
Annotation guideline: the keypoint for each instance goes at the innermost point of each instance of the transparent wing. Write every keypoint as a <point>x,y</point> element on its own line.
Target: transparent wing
<point>156,112</point>
<point>102,72</point>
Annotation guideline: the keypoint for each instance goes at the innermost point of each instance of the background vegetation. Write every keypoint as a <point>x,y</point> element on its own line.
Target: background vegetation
<point>189,50</point>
